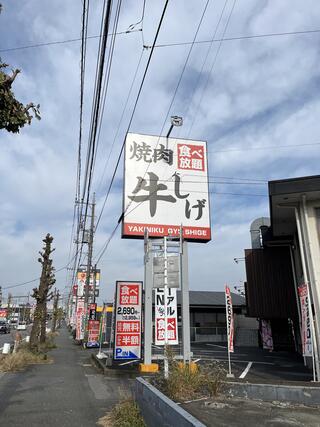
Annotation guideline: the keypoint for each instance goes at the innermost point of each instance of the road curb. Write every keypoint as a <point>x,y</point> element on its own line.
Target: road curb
<point>158,410</point>
<point>112,372</point>
<point>306,395</point>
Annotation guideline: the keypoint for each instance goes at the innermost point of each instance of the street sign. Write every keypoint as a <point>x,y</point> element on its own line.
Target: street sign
<point>166,186</point>
<point>93,333</point>
<point>127,343</point>
<point>172,318</point>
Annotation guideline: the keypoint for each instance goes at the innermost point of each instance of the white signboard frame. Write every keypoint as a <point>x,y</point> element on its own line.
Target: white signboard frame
<point>172,317</point>
<point>127,331</point>
<point>166,187</point>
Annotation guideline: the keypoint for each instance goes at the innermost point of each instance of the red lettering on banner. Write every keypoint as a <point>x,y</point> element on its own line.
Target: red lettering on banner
<point>129,295</point>
<point>125,327</point>
<point>128,340</point>
<point>191,157</point>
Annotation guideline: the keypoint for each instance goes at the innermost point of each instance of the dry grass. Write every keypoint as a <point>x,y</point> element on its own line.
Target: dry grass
<point>17,361</point>
<point>124,414</point>
<point>186,384</point>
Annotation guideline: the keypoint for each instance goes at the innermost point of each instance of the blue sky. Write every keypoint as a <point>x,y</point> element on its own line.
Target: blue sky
<point>259,93</point>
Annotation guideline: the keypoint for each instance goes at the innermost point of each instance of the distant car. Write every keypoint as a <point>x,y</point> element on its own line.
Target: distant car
<point>21,326</point>
<point>13,323</point>
<point>4,327</point>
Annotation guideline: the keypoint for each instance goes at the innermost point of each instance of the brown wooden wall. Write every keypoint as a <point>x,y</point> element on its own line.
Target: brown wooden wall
<point>270,290</point>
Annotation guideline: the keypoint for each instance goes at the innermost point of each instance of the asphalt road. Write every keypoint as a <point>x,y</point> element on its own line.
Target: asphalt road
<point>252,364</point>
<point>68,392</point>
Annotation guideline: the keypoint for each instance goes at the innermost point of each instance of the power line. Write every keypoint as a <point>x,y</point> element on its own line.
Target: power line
<point>212,67</point>
<point>175,91</point>
<point>266,147</point>
<point>59,42</point>
<point>120,120</point>
<point>248,37</point>
<point>107,74</point>
<point>133,111</point>
<point>38,278</point>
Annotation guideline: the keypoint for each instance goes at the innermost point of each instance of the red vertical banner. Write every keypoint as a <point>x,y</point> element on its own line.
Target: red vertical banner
<point>306,334</point>
<point>230,321</point>
<point>128,320</point>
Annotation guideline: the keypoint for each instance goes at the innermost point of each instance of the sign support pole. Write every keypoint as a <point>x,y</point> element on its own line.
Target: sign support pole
<point>185,311</point>
<point>166,364</point>
<point>147,303</point>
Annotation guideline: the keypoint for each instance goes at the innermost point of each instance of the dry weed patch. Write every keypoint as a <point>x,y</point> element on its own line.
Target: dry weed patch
<point>186,383</point>
<point>124,414</point>
<point>17,361</point>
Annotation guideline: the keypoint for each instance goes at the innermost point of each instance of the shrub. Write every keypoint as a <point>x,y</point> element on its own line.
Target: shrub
<point>124,414</point>
<point>17,361</point>
<point>191,381</point>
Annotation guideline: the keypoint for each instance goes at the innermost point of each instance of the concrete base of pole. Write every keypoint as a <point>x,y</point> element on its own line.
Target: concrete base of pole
<point>230,376</point>
<point>152,367</point>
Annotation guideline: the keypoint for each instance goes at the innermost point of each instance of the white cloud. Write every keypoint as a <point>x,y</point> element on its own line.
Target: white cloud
<point>261,92</point>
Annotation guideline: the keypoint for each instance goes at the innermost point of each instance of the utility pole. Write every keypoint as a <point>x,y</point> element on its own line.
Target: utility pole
<point>94,282</point>
<point>55,309</point>
<point>89,264</point>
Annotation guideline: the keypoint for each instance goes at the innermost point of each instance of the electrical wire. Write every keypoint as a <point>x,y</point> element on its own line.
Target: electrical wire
<point>211,68</point>
<point>120,120</point>
<point>171,103</point>
<point>133,111</point>
<point>32,46</point>
<point>266,147</point>
<point>248,37</point>
<point>38,278</point>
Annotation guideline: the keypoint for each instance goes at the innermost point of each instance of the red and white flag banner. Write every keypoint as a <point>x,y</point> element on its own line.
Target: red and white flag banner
<point>229,316</point>
<point>306,317</point>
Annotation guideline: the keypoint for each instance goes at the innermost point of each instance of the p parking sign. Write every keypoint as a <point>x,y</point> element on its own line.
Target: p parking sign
<point>128,320</point>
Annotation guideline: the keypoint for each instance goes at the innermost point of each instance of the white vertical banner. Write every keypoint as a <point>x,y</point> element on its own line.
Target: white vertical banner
<point>229,317</point>
<point>172,318</point>
<point>305,320</point>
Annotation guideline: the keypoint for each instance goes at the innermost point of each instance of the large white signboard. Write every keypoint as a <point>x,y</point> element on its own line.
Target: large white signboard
<point>305,320</point>
<point>128,320</point>
<point>172,318</point>
<point>166,186</point>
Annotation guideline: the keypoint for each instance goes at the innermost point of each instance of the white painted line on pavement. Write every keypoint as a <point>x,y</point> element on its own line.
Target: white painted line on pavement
<point>194,400</point>
<point>216,345</point>
<point>195,361</point>
<point>127,363</point>
<point>235,361</point>
<point>244,373</point>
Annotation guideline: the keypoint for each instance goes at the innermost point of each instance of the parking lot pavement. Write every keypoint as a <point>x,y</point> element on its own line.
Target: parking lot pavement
<point>251,363</point>
<point>242,412</point>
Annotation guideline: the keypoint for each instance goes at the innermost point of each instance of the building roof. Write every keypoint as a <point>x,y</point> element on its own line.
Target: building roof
<point>216,298</point>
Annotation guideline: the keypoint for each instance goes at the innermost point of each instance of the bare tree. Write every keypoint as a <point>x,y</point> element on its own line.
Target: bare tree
<point>42,294</point>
